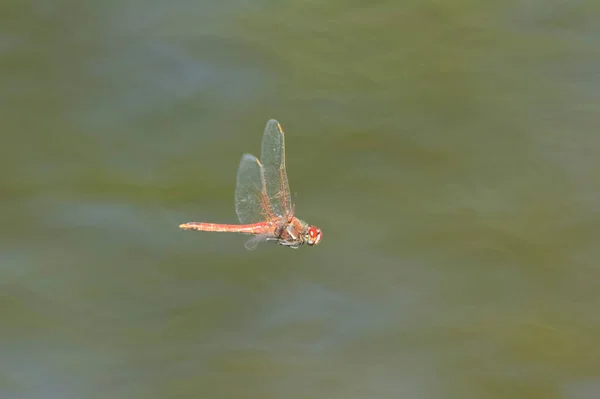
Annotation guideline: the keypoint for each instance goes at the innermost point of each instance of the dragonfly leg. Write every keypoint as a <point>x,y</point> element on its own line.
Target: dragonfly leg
<point>278,241</point>
<point>290,244</point>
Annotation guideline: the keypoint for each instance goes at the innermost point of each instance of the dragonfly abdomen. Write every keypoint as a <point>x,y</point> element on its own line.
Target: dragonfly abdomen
<point>255,228</point>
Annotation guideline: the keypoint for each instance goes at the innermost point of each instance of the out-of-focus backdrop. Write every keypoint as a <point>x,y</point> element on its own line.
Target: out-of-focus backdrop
<point>448,150</point>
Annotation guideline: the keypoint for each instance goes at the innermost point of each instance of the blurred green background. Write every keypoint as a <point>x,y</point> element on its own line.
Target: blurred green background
<point>448,150</point>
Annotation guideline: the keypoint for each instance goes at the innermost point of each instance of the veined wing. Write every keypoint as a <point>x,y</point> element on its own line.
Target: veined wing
<point>251,201</point>
<point>273,161</point>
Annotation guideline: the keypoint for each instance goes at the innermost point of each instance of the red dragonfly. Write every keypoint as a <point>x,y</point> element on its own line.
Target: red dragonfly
<point>262,199</point>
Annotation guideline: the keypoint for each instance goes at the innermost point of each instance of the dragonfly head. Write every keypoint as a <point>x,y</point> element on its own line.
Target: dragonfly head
<point>313,235</point>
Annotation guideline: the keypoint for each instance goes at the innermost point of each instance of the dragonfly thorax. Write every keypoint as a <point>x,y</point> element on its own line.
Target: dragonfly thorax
<point>296,232</point>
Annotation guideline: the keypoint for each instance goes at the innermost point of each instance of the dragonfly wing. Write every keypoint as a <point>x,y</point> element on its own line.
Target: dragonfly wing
<point>253,242</point>
<point>273,160</point>
<point>251,201</point>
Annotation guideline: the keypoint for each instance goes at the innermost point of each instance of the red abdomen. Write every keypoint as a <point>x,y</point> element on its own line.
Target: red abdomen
<point>255,228</point>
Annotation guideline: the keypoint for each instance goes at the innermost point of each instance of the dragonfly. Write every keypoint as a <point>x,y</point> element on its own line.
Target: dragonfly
<point>262,199</point>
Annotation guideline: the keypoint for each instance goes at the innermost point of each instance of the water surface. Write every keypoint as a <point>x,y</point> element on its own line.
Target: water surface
<point>448,152</point>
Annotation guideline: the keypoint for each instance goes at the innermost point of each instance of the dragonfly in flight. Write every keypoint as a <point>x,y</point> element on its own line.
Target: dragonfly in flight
<point>262,199</point>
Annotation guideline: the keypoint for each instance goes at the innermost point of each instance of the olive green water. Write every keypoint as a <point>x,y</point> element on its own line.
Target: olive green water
<point>448,150</point>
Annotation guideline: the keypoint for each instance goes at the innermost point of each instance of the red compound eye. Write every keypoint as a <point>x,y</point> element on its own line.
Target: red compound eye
<point>314,235</point>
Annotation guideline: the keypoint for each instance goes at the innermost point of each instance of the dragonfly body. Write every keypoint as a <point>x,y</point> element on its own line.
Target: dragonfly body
<point>255,228</point>
<point>263,201</point>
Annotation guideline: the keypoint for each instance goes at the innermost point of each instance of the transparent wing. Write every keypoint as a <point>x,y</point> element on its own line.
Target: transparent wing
<point>253,242</point>
<point>251,201</point>
<point>273,160</point>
